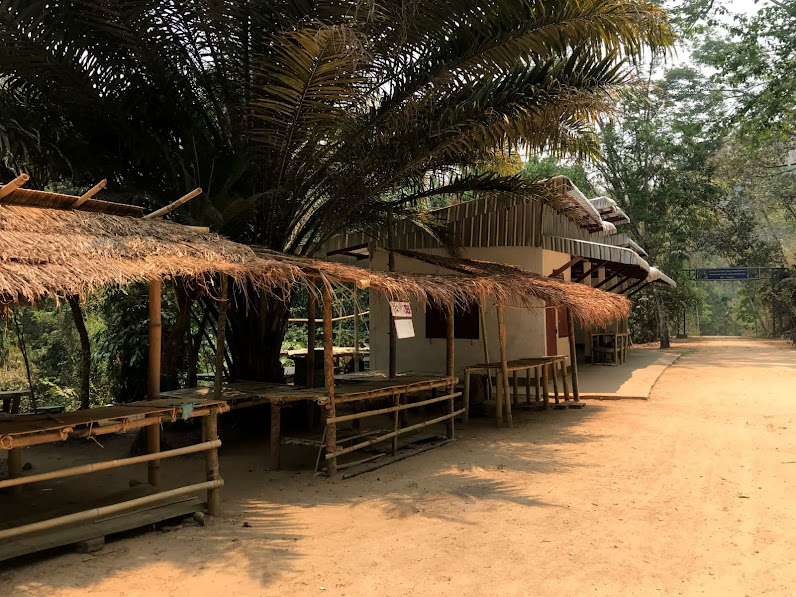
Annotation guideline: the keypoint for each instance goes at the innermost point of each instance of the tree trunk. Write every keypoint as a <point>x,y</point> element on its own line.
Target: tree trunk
<point>84,371</point>
<point>257,331</point>
<point>663,320</point>
<point>175,342</point>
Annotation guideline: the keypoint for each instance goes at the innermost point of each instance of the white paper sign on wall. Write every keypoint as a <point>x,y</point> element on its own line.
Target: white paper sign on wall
<point>400,309</point>
<point>404,328</point>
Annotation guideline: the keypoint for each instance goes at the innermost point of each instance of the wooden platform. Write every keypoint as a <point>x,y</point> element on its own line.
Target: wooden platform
<point>18,431</point>
<point>102,527</point>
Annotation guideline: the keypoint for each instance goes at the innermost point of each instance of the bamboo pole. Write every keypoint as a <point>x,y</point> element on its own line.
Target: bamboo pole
<point>450,364</point>
<point>174,205</point>
<point>95,513</point>
<point>212,468</point>
<point>155,332</point>
<point>356,330</point>
<point>545,387</point>
<point>108,464</point>
<point>503,364</point>
<point>555,380</point>
<point>393,368</point>
<point>396,422</point>
<point>328,372</point>
<point>573,356</point>
<point>482,320</point>
<point>12,186</point>
<point>466,395</point>
<point>564,383</point>
<point>221,332</point>
<point>90,193</point>
<point>311,338</point>
<point>537,384</point>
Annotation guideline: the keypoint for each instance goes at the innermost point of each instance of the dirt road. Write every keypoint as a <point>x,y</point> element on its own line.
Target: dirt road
<point>691,492</point>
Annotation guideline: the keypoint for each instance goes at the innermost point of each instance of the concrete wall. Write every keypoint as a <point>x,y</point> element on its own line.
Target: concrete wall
<point>525,329</point>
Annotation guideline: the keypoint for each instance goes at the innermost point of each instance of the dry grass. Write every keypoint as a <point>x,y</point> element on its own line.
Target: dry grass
<point>56,252</point>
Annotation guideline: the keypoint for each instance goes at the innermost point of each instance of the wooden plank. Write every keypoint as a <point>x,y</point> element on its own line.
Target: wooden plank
<point>390,409</point>
<point>110,525</point>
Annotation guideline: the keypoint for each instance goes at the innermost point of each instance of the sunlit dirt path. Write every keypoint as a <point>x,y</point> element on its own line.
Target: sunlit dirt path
<point>691,492</point>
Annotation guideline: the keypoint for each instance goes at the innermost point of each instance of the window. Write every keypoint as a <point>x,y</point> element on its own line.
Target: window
<point>465,322</point>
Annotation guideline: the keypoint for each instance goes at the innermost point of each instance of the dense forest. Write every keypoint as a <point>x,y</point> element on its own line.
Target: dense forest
<point>687,120</point>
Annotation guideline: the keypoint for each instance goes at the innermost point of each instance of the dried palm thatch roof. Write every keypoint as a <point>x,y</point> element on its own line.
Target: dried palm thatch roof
<point>52,252</point>
<point>514,285</point>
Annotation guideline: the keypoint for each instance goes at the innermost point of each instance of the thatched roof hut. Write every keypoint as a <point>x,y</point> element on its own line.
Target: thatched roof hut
<point>51,244</point>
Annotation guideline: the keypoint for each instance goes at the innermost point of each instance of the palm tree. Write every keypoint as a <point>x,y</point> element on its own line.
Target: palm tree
<point>301,119</point>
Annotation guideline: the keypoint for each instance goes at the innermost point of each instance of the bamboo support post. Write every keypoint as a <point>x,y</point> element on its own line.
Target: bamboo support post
<point>466,397</point>
<point>220,337</point>
<point>499,397</point>
<point>96,513</point>
<point>564,382</point>
<point>174,205</point>
<point>555,380</point>
<point>311,338</point>
<point>393,366</point>
<point>396,423</point>
<point>155,338</point>
<point>503,363</point>
<point>516,383</point>
<point>537,384</point>
<point>545,387</point>
<point>450,366</point>
<point>328,373</point>
<point>528,386</point>
<point>212,468</point>
<point>356,330</point>
<point>482,321</point>
<point>12,186</point>
<point>573,356</point>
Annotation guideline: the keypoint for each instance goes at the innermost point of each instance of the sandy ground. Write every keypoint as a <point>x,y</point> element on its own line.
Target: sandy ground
<point>688,493</point>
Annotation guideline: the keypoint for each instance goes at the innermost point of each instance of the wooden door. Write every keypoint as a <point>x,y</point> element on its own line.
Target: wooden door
<point>551,327</point>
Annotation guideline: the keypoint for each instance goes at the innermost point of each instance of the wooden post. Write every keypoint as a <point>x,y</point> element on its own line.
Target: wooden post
<point>573,356</point>
<point>210,433</point>
<point>356,330</point>
<point>276,424</point>
<point>153,378</point>
<point>538,383</point>
<point>15,468</point>
<point>503,364</point>
<point>482,321</point>
<point>555,380</point>
<point>499,397</point>
<point>311,337</point>
<point>466,397</point>
<point>328,373</point>
<point>516,382</point>
<point>545,387</point>
<point>391,267</point>
<point>564,382</point>
<point>450,366</point>
<point>395,423</point>
<point>221,332</point>
<point>528,385</point>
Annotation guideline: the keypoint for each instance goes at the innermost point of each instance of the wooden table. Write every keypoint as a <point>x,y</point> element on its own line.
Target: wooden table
<point>27,532</point>
<point>10,400</point>
<point>609,348</point>
<point>354,388</point>
<point>542,368</point>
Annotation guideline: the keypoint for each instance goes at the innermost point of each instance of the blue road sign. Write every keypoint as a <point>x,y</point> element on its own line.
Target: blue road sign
<point>728,273</point>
